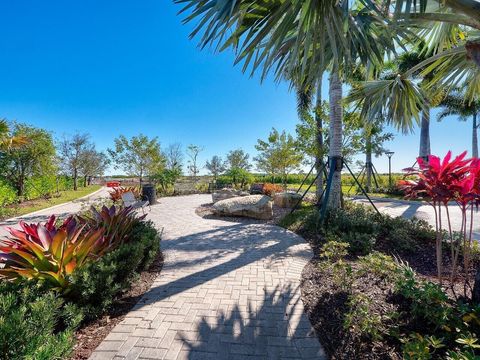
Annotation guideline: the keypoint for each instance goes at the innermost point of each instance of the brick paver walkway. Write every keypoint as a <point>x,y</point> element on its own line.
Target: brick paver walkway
<point>227,291</point>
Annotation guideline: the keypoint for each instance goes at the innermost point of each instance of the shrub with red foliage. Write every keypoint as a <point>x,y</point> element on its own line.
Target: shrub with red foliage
<point>116,194</point>
<point>271,189</point>
<point>440,182</point>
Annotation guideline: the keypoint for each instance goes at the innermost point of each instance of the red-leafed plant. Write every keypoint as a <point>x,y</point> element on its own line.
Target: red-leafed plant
<point>271,189</point>
<point>49,252</point>
<point>116,221</point>
<point>116,194</point>
<point>441,182</point>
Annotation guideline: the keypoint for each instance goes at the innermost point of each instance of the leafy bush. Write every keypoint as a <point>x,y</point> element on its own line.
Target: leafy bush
<point>95,286</point>
<point>49,253</point>
<point>117,223</point>
<point>362,318</point>
<point>40,186</point>
<point>117,192</point>
<point>8,195</point>
<point>271,189</point>
<point>35,324</point>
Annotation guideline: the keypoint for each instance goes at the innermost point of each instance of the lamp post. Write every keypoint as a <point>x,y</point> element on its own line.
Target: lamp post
<point>389,154</point>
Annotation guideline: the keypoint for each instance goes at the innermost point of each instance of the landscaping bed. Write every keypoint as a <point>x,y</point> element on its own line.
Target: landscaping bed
<point>371,290</point>
<point>81,277</point>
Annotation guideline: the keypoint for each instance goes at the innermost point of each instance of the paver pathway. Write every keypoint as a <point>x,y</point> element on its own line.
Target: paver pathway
<point>227,291</point>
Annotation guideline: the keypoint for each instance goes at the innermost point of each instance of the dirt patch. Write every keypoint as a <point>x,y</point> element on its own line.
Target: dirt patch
<point>92,334</point>
<point>206,211</point>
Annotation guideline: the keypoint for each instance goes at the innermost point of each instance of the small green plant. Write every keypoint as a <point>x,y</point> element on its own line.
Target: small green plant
<point>333,250</point>
<point>360,317</point>
<point>429,304</point>
<point>382,266</point>
<point>418,347</point>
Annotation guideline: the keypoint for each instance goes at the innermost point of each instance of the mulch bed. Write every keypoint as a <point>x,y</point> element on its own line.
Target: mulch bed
<point>326,305</point>
<point>92,334</point>
<point>206,211</point>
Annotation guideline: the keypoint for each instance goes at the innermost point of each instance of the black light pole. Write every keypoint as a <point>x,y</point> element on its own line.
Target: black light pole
<point>390,154</point>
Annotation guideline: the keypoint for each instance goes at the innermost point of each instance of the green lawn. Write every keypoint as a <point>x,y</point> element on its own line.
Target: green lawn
<point>347,190</point>
<point>39,204</point>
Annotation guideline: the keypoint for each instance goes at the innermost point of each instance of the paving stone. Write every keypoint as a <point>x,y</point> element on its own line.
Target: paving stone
<point>227,291</point>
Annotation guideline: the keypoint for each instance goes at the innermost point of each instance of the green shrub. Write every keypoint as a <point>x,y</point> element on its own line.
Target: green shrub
<point>40,186</point>
<point>362,318</point>
<point>8,195</point>
<point>35,324</point>
<point>95,286</point>
<point>428,303</point>
<point>380,265</point>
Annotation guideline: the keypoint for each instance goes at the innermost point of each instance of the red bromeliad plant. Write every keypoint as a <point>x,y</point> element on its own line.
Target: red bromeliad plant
<point>440,182</point>
<point>116,222</point>
<point>116,194</point>
<point>49,252</point>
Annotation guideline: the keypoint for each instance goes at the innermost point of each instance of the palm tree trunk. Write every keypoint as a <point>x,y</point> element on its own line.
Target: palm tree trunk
<point>319,127</point>
<point>425,134</point>
<point>368,159</point>
<point>335,151</point>
<point>474,137</point>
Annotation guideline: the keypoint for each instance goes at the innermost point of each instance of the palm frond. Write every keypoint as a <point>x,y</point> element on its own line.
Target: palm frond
<point>399,101</point>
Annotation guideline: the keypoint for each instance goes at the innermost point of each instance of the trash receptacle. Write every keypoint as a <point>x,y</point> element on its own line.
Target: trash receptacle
<point>149,193</point>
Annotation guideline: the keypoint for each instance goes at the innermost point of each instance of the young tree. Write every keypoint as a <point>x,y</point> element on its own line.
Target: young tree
<point>216,166</point>
<point>278,154</point>
<point>35,157</point>
<point>192,153</point>
<point>72,152</point>
<point>138,156</point>
<point>173,157</point>
<point>238,159</point>
<point>93,163</point>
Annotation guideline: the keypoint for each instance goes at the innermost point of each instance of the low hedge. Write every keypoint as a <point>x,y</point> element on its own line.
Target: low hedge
<point>37,323</point>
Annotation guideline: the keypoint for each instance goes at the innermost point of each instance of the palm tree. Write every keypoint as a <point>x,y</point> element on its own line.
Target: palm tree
<point>455,104</point>
<point>307,36</point>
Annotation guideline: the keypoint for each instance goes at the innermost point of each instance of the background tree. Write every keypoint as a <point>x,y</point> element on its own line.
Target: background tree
<point>92,163</point>
<point>7,139</point>
<point>455,103</point>
<point>192,153</point>
<point>174,157</point>
<point>238,159</point>
<point>33,158</point>
<point>278,154</point>
<point>72,152</point>
<point>215,166</point>
<point>138,156</point>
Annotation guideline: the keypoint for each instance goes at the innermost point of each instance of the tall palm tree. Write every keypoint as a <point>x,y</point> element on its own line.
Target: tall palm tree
<point>455,104</point>
<point>306,35</point>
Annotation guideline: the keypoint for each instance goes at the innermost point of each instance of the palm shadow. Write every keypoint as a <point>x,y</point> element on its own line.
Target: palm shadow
<point>275,329</point>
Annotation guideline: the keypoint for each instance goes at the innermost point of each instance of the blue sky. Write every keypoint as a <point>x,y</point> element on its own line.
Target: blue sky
<point>125,67</point>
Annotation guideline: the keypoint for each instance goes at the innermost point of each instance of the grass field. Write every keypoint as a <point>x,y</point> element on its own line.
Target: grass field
<point>347,190</point>
<point>40,204</point>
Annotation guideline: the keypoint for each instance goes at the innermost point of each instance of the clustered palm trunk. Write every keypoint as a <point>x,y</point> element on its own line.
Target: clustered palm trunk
<point>319,127</point>
<point>474,136</point>
<point>335,151</point>
<point>425,134</point>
